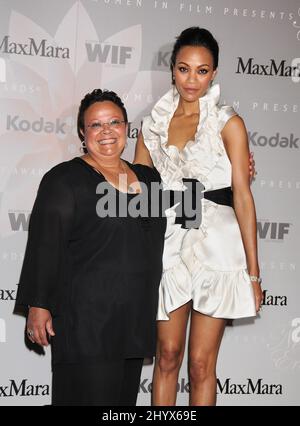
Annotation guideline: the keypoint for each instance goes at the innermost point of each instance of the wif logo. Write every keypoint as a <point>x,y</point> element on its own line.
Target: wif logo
<point>2,331</point>
<point>19,221</point>
<point>107,53</point>
<point>2,70</point>
<point>272,230</point>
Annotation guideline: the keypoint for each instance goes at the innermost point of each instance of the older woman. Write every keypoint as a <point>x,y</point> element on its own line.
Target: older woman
<point>91,280</point>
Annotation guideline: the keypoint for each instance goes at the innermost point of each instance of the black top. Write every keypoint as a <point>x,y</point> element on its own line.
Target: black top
<point>98,277</point>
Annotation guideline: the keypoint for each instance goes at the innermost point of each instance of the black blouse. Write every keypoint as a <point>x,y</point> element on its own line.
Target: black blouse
<point>98,277</point>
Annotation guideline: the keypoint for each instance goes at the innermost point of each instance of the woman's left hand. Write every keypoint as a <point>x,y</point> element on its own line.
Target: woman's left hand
<point>39,326</point>
<point>252,170</point>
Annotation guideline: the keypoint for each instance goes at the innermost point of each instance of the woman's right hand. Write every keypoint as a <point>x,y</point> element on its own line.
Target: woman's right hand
<point>258,296</point>
<point>39,326</point>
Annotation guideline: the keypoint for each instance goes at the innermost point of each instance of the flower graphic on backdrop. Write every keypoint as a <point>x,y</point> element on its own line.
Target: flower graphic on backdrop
<point>284,347</point>
<point>38,126</point>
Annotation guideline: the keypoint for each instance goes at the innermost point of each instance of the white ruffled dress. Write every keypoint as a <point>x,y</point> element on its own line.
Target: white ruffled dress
<point>205,265</point>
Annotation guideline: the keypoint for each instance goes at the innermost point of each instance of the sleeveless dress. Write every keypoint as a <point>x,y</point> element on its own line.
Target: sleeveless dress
<point>206,265</point>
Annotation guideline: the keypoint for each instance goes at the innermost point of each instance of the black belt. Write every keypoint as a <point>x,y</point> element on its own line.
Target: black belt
<point>193,195</point>
<point>221,196</point>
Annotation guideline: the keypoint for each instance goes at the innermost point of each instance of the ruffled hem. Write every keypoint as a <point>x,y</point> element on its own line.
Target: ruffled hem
<point>174,291</point>
<point>223,294</point>
<point>219,294</point>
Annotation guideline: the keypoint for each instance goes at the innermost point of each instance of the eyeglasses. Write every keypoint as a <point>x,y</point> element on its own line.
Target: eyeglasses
<point>112,124</point>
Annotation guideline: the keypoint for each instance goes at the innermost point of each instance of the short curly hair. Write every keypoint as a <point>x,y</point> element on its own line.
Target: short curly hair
<point>97,95</point>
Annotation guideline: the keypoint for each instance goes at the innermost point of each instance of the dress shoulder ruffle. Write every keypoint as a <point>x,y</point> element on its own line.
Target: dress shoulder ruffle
<point>199,156</point>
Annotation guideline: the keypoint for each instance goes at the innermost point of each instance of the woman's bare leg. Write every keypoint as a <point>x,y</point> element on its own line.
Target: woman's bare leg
<point>205,338</point>
<point>169,354</point>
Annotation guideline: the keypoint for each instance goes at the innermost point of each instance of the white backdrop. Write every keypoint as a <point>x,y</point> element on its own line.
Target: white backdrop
<point>52,53</point>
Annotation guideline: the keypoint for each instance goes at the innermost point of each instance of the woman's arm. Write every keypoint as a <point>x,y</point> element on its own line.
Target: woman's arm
<point>235,140</point>
<point>142,155</point>
<point>43,272</point>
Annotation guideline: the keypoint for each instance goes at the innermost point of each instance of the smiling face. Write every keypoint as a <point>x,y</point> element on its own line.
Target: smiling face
<point>193,71</point>
<point>105,132</point>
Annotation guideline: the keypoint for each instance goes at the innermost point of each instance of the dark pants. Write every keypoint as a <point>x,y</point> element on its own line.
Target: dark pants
<point>105,383</point>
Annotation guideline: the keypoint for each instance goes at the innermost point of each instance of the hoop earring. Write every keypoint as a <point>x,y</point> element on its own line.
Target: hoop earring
<point>83,147</point>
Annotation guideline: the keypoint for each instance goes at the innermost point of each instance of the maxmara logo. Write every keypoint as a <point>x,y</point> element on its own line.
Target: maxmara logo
<point>2,331</point>
<point>23,388</point>
<point>15,122</point>
<point>271,300</point>
<point>132,131</point>
<point>274,141</point>
<point>251,387</point>
<point>8,294</point>
<point>33,48</point>
<point>2,71</point>
<point>273,68</point>
<point>272,230</point>
<point>257,387</point>
<point>108,53</point>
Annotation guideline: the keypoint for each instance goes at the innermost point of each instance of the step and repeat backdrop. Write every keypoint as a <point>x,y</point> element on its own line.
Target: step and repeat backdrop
<point>52,54</point>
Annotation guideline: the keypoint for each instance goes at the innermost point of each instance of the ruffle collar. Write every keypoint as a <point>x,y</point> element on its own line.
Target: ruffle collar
<point>166,106</point>
<point>199,156</point>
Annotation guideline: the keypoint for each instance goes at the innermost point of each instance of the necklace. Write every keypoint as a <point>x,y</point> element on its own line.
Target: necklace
<point>130,189</point>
